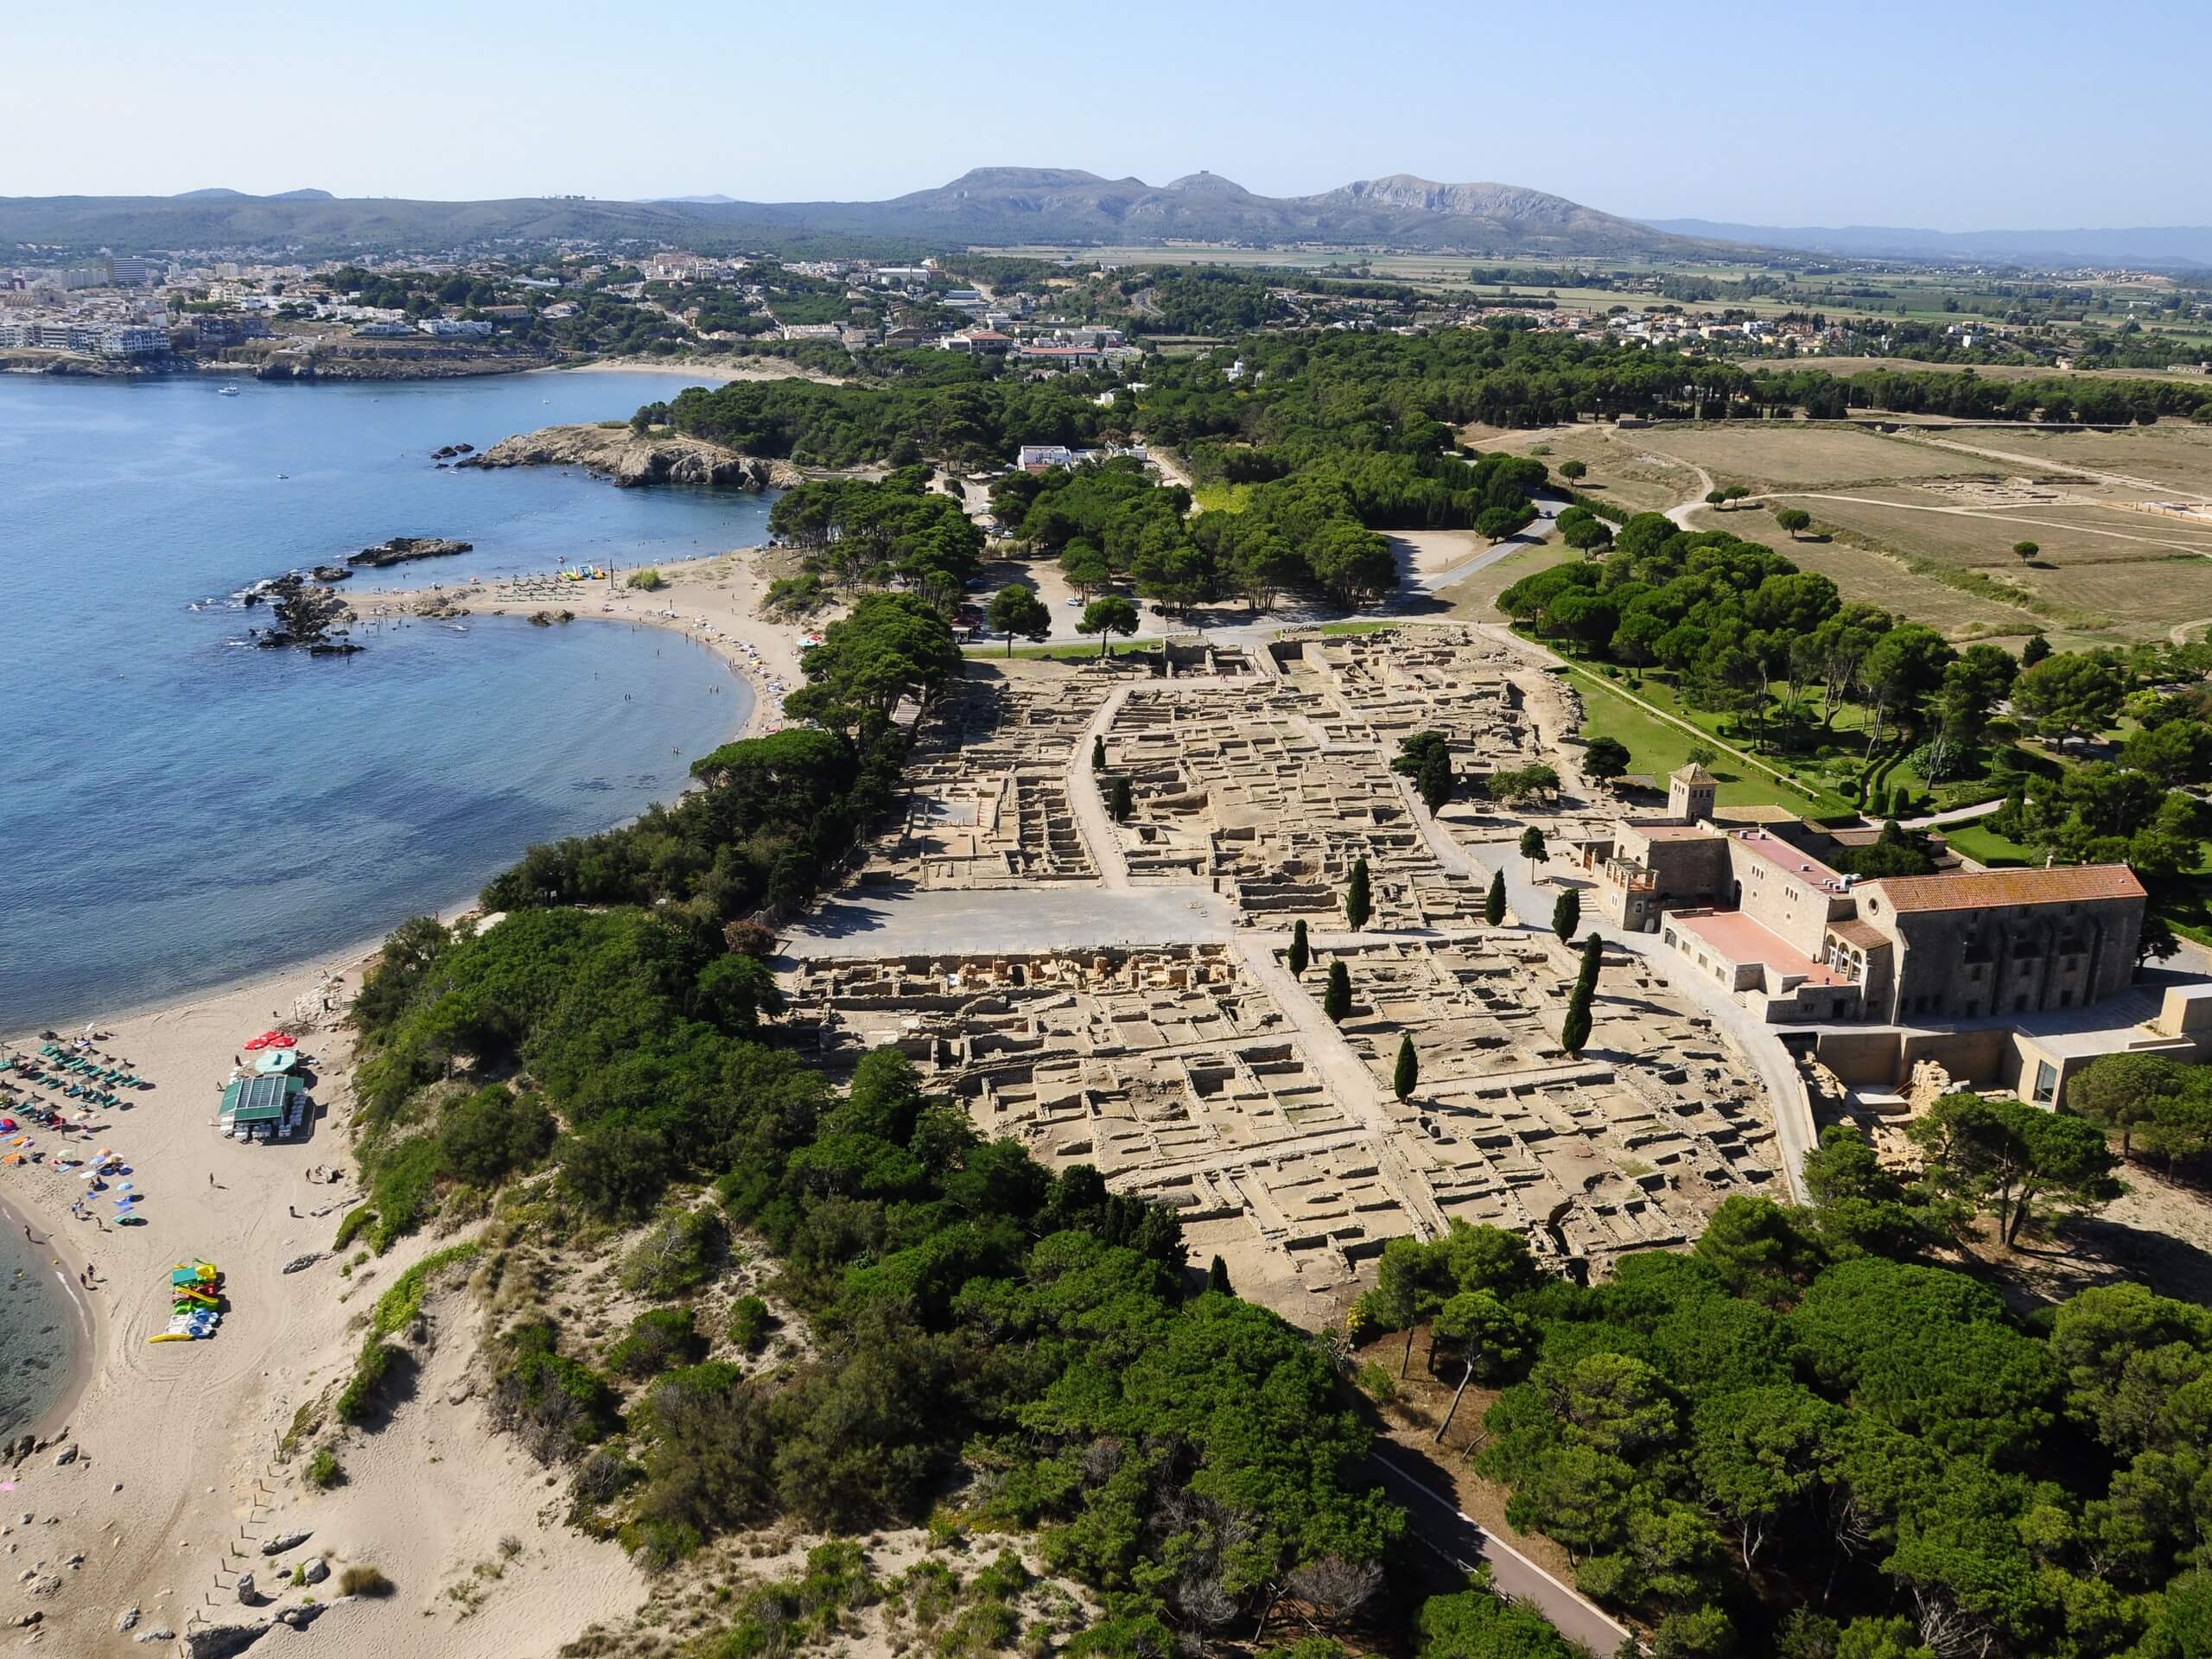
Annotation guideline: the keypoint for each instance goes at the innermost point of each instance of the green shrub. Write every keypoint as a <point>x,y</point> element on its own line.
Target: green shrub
<point>348,1229</point>
<point>647,580</point>
<point>363,1388</point>
<point>658,1337</point>
<point>750,1322</point>
<point>493,1133</point>
<point>556,1405</point>
<point>680,1251</point>
<point>324,1471</point>
<point>401,1178</point>
<point>397,1308</point>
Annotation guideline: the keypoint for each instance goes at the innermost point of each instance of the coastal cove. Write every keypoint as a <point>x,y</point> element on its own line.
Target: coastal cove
<point>240,810</point>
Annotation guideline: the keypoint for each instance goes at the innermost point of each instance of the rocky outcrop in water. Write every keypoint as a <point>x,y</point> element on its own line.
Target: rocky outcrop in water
<point>400,549</point>
<point>631,458</point>
<point>308,614</point>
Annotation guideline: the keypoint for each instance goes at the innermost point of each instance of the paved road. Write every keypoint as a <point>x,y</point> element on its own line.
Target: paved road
<point>1441,1526</point>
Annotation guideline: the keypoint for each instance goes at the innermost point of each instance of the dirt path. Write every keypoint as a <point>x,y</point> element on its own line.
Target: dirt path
<point>1680,512</point>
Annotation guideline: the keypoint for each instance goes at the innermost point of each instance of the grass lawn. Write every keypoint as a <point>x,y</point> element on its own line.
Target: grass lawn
<point>1223,498</point>
<point>1358,627</point>
<point>1656,748</point>
<point>1986,845</point>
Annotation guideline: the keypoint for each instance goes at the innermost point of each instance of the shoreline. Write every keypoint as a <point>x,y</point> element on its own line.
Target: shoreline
<point>86,1327</point>
<point>727,587</point>
<point>355,950</point>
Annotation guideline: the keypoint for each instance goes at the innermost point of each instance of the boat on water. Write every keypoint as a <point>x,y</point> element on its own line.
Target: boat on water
<point>226,392</point>
<point>458,627</point>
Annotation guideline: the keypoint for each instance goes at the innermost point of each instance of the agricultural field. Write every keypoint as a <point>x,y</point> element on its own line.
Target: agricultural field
<point>1934,523</point>
<point>1782,453</point>
<point>2083,580</point>
<point>2172,457</point>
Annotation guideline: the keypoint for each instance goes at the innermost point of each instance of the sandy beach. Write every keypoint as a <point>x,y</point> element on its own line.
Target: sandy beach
<point>700,371</point>
<point>175,1443</point>
<point>176,1479</point>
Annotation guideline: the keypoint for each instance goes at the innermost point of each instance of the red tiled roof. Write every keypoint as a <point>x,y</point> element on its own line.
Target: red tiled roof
<point>1987,889</point>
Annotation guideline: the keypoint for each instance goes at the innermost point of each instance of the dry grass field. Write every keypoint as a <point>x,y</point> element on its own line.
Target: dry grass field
<point>1796,454</point>
<point>1957,572</point>
<point>1475,600</point>
<point>2170,456</point>
<point>1887,579</point>
<point>1621,469</point>
<point>2066,535</point>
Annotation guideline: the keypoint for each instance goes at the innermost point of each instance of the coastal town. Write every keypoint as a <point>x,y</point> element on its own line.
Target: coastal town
<point>1054,917</point>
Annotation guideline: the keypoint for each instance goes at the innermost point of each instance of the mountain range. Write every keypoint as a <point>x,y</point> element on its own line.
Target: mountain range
<point>992,205</point>
<point>2150,246</point>
<point>999,206</point>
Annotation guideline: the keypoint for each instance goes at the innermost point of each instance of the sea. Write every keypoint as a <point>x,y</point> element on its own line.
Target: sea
<point>180,810</point>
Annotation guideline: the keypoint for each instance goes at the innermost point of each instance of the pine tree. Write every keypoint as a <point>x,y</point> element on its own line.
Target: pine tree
<point>1494,901</point>
<point>1123,800</point>
<point>1359,905</point>
<point>1301,952</point>
<point>1218,1277</point>
<point>1336,1002</point>
<point>1566,913</point>
<point>1406,1077</point>
<point>1098,754</point>
<point>1532,848</point>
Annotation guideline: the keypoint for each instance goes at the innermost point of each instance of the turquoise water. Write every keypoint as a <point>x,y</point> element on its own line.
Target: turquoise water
<point>179,810</point>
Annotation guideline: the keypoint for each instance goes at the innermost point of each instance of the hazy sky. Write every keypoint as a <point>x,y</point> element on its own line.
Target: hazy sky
<point>1949,114</point>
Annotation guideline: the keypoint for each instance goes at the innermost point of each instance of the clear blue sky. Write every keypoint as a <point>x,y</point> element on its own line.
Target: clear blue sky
<point>1950,114</point>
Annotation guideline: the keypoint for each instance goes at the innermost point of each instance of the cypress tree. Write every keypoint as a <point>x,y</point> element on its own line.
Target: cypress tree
<point>1359,905</point>
<point>1574,1030</point>
<point>1494,902</point>
<point>1406,1077</point>
<point>1435,780</point>
<point>1566,913</point>
<point>1336,1002</point>
<point>1300,951</point>
<point>1098,754</point>
<point>1123,800</point>
<point>1586,979</point>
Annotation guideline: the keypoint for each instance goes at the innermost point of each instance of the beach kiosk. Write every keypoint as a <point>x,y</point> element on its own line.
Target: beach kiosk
<point>270,1108</point>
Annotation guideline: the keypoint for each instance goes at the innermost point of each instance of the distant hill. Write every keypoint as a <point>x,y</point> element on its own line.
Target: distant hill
<point>2169,246</point>
<point>1003,205</point>
<point>991,206</point>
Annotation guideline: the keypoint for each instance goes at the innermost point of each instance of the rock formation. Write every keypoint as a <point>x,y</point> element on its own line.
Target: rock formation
<point>400,549</point>
<point>631,458</point>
